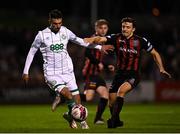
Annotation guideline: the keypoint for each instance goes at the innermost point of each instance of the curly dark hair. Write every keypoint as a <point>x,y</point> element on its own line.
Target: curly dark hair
<point>129,19</point>
<point>55,14</point>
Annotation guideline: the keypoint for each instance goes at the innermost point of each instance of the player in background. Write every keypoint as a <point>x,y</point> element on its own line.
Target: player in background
<point>92,72</point>
<point>128,48</point>
<point>58,68</point>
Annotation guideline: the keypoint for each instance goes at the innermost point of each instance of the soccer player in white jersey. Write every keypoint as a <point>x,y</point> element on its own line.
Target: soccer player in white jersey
<point>58,67</point>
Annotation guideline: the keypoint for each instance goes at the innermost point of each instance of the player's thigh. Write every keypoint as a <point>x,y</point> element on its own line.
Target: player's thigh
<point>71,83</point>
<point>130,82</point>
<point>101,87</point>
<point>124,88</point>
<point>89,94</point>
<point>102,91</point>
<point>55,83</point>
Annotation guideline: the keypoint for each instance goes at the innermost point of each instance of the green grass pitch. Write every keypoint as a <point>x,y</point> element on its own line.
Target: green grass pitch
<point>137,118</point>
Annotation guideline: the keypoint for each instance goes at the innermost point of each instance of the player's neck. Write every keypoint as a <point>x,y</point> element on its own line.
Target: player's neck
<point>128,37</point>
<point>55,32</point>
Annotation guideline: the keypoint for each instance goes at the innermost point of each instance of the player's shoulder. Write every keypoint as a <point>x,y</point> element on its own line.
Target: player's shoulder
<point>113,35</point>
<point>63,28</point>
<point>141,38</point>
<point>45,30</point>
<point>137,36</point>
<point>42,32</point>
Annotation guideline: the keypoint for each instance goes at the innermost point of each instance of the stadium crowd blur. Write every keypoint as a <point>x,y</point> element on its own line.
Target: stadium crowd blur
<point>159,22</point>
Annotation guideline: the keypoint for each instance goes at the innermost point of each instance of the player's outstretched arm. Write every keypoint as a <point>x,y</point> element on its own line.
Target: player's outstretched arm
<point>95,40</point>
<point>158,60</point>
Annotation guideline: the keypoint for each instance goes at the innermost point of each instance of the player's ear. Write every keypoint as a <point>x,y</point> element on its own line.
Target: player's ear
<point>49,20</point>
<point>134,29</point>
<point>95,28</point>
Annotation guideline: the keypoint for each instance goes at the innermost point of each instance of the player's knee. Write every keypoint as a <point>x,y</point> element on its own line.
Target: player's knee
<point>124,89</point>
<point>121,93</point>
<point>89,97</point>
<point>103,92</point>
<point>66,93</point>
<point>104,95</point>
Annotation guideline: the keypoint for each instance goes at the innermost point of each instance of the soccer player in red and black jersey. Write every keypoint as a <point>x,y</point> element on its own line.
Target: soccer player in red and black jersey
<point>94,82</point>
<point>128,48</point>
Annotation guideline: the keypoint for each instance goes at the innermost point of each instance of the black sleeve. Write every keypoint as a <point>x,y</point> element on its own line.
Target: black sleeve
<point>146,45</point>
<point>91,57</point>
<point>111,39</point>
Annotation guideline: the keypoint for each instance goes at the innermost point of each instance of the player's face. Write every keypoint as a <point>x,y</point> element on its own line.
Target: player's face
<point>55,24</point>
<point>127,29</point>
<point>101,30</point>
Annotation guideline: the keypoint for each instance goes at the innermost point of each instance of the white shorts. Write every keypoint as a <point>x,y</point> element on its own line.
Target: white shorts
<point>58,82</point>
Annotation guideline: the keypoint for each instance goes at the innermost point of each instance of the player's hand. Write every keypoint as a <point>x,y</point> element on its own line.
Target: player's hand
<point>25,78</point>
<point>111,68</point>
<point>166,74</point>
<point>106,48</point>
<point>101,66</point>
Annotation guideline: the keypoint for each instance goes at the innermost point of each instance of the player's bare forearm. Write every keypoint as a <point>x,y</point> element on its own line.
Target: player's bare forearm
<point>158,60</point>
<point>100,40</point>
<point>95,40</point>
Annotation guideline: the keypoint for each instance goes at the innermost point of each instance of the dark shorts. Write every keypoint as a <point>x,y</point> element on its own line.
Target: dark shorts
<point>93,82</point>
<point>124,76</point>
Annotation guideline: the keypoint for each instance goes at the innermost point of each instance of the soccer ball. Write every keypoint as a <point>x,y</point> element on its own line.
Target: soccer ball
<point>79,112</point>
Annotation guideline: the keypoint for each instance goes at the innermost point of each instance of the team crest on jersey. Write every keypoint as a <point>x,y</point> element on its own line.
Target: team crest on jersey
<point>63,36</point>
<point>135,43</point>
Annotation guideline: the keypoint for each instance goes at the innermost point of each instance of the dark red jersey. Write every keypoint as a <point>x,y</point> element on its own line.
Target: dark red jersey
<point>128,51</point>
<point>93,58</point>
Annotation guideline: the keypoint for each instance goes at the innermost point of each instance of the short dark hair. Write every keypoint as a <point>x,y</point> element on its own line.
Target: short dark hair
<point>101,22</point>
<point>55,14</point>
<point>129,19</point>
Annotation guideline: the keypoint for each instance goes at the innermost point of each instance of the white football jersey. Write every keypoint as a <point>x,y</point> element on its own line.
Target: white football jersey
<point>54,50</point>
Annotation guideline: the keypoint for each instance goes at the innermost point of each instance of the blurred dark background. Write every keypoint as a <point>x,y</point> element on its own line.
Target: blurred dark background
<point>157,20</point>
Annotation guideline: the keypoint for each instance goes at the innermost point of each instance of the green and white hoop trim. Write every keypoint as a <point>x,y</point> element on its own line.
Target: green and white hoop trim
<point>75,91</point>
